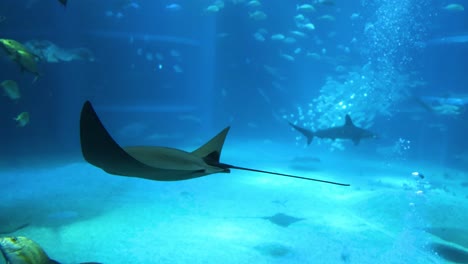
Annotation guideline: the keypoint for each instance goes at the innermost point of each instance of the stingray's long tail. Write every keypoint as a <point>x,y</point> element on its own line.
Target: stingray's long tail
<point>307,133</point>
<point>281,174</point>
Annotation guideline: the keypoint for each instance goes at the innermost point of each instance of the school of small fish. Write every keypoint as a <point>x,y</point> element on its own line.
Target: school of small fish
<point>27,61</point>
<point>289,42</point>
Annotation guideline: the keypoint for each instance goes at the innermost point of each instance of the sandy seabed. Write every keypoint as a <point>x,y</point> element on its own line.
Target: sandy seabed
<point>79,213</point>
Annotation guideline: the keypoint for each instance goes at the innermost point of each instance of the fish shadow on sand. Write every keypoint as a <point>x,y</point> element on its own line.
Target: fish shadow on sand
<point>282,220</point>
<point>305,163</point>
<point>275,250</point>
<point>25,214</point>
<point>278,219</point>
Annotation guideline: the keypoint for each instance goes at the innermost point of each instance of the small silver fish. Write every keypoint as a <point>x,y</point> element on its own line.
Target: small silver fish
<point>11,89</point>
<point>173,7</point>
<point>22,119</point>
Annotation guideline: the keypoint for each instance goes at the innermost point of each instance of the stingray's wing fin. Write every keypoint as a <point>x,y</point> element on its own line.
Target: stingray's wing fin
<point>211,150</point>
<point>100,149</point>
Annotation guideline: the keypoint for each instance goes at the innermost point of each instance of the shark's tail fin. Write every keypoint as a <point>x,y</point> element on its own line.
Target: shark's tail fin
<point>307,133</point>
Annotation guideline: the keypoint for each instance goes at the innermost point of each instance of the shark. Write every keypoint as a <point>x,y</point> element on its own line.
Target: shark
<point>156,162</point>
<point>346,131</point>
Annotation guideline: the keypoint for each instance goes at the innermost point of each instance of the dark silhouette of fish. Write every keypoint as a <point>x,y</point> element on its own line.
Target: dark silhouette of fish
<point>450,253</point>
<point>278,219</point>
<point>152,162</point>
<point>346,131</point>
<point>63,2</point>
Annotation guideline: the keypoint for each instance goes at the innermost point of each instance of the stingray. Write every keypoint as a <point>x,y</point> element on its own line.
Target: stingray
<point>153,162</point>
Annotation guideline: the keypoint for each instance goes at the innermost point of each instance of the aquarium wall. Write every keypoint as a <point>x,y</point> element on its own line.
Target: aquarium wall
<point>233,131</point>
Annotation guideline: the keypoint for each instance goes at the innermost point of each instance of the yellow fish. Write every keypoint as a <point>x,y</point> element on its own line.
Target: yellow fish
<point>21,55</point>
<point>22,250</point>
<point>22,119</point>
<point>27,61</point>
<point>11,89</point>
<point>12,46</point>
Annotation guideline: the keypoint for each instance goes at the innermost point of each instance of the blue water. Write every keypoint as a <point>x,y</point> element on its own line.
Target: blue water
<point>174,73</point>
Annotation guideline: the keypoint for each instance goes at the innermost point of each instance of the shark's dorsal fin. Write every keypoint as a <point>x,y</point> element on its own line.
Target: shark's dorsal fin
<point>211,150</point>
<point>348,121</point>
